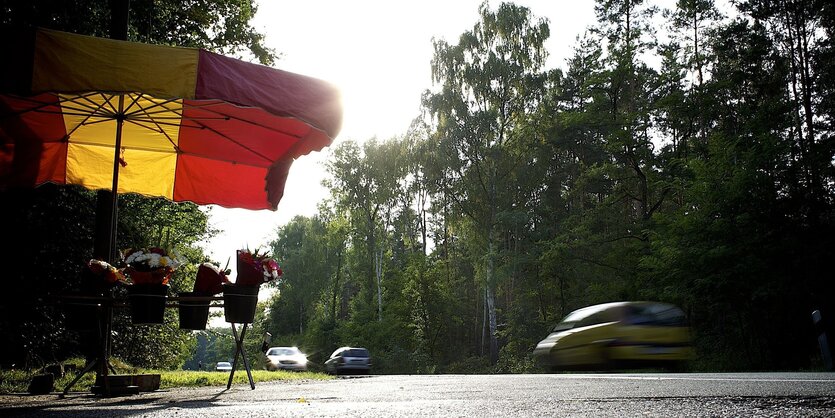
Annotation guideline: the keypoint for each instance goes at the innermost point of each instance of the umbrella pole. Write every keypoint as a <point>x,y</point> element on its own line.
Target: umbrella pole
<point>105,240</point>
<point>114,214</point>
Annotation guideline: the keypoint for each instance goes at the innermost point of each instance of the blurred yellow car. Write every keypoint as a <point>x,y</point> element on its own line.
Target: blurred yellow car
<point>618,335</point>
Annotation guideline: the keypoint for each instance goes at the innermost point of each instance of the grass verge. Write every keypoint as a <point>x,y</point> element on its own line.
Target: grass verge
<point>17,381</point>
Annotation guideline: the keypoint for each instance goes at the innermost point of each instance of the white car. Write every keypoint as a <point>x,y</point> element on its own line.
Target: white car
<point>223,366</point>
<point>286,358</point>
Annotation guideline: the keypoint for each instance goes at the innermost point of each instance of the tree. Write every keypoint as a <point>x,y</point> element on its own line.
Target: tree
<point>308,264</point>
<point>487,83</point>
<point>217,25</point>
<point>365,184</point>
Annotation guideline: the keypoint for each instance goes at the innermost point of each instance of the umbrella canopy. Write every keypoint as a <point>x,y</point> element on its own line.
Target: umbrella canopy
<point>186,124</point>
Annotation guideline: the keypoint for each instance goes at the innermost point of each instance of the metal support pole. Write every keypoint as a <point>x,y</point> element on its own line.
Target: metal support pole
<point>239,350</point>
<point>823,341</point>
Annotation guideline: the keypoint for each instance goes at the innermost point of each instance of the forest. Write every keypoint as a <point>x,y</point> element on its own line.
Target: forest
<point>683,156</point>
<point>694,168</point>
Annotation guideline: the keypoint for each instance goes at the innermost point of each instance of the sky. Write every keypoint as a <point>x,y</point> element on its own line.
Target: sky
<point>378,53</point>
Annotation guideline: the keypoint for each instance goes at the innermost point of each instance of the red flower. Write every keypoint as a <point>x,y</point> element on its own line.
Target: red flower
<point>255,269</point>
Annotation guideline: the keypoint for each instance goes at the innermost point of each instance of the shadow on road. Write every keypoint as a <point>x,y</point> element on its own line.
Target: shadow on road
<point>89,405</point>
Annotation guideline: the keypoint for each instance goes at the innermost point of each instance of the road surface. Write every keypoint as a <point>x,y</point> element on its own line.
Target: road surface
<point>662,395</point>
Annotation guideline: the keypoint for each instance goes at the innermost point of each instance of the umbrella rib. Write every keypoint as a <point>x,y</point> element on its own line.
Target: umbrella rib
<point>84,121</point>
<point>221,134</point>
<point>269,128</point>
<point>41,104</point>
<point>144,110</point>
<point>187,118</point>
<point>196,121</point>
<point>105,109</point>
<point>155,112</point>
<point>96,144</point>
<point>105,100</point>
<point>222,116</point>
<point>95,122</point>
<point>151,119</point>
<point>164,109</point>
<point>134,99</point>
<point>80,113</point>
<point>90,106</point>
<point>159,129</point>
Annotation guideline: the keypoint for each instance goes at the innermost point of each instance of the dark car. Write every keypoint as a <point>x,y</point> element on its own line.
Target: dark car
<point>349,360</point>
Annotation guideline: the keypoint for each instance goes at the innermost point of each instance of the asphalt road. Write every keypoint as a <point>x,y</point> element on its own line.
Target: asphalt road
<point>663,395</point>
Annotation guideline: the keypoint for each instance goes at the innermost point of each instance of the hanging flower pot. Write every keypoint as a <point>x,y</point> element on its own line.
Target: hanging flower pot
<point>193,313</point>
<point>239,303</point>
<point>149,269</point>
<point>210,280</point>
<point>147,303</point>
<point>84,309</point>
<point>81,314</point>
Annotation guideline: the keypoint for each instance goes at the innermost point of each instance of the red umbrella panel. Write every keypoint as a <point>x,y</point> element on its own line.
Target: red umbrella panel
<point>186,124</point>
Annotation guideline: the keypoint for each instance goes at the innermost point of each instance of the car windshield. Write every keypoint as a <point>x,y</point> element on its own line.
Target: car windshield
<point>282,352</point>
<point>590,315</point>
<point>355,352</point>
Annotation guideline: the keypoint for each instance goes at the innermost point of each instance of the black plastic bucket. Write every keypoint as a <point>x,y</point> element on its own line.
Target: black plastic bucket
<point>81,315</point>
<point>194,314</point>
<point>147,303</point>
<point>239,303</point>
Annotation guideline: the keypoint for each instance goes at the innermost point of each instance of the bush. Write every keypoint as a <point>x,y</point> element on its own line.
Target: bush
<point>470,365</point>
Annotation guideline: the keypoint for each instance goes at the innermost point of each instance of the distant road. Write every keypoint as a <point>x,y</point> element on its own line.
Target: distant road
<point>661,395</point>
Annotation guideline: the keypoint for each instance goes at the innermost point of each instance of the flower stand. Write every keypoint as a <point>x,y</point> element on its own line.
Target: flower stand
<point>194,314</point>
<point>240,352</point>
<point>100,325</point>
<point>147,303</point>
<point>239,303</point>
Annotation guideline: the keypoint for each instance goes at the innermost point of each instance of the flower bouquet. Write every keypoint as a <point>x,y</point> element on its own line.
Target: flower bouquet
<point>149,271</point>
<point>194,306</point>
<point>149,266</point>
<point>105,274</point>
<point>82,308</point>
<point>241,298</point>
<point>255,268</point>
<point>210,279</point>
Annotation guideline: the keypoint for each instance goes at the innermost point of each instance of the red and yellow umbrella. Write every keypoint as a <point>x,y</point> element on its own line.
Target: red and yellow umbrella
<point>181,123</point>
